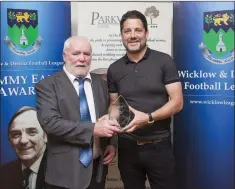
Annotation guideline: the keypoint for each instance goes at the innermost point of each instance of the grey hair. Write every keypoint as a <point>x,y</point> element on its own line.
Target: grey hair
<point>66,44</point>
<point>68,41</point>
<point>19,112</point>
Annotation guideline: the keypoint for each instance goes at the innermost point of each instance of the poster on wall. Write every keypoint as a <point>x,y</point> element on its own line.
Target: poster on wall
<point>204,129</point>
<point>32,37</point>
<point>100,22</point>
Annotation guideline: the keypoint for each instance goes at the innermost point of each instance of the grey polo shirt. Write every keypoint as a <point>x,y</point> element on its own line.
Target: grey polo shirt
<point>142,84</point>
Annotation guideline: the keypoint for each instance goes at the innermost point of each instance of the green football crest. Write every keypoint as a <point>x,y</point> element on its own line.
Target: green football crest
<point>218,36</point>
<point>22,36</point>
<point>22,27</point>
<point>218,32</point>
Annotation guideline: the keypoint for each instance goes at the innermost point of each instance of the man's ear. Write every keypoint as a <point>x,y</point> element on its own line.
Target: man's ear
<point>147,34</point>
<point>45,137</point>
<point>64,56</point>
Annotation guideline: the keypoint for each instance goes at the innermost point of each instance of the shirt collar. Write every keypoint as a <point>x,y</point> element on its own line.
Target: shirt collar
<point>146,55</point>
<point>72,77</point>
<point>35,166</point>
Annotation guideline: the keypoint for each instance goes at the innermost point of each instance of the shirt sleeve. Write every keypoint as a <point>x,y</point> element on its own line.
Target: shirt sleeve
<point>170,71</point>
<point>112,87</point>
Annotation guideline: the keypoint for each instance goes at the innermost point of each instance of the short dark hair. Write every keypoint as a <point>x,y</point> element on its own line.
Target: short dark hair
<point>19,112</point>
<point>134,14</point>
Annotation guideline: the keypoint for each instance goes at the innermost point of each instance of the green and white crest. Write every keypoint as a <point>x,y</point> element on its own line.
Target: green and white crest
<point>218,36</point>
<point>23,37</point>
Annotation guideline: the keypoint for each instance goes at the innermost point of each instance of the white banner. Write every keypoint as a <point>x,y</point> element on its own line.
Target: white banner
<point>100,22</point>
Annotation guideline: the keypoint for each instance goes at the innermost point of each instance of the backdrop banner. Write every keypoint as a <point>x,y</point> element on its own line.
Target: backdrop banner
<point>204,130</point>
<point>32,37</point>
<point>100,22</point>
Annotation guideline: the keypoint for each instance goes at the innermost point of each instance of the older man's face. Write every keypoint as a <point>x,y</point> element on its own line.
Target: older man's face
<point>78,57</point>
<point>27,136</point>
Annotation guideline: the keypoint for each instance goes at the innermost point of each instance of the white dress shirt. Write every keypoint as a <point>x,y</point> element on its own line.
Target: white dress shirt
<point>91,105</point>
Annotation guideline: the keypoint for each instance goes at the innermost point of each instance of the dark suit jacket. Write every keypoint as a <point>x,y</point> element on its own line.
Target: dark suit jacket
<point>11,176</point>
<point>58,113</point>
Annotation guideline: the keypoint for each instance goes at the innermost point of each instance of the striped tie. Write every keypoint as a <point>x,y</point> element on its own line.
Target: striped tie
<point>85,152</point>
<point>26,174</point>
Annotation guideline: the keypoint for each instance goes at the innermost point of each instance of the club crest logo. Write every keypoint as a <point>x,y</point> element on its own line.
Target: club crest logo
<point>218,36</point>
<point>23,38</point>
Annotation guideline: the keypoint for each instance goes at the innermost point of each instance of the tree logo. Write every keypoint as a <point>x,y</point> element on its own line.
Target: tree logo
<point>152,13</point>
<point>218,35</point>
<point>23,38</point>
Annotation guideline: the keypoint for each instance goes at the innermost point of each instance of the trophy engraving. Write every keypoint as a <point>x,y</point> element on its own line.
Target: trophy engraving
<point>120,111</point>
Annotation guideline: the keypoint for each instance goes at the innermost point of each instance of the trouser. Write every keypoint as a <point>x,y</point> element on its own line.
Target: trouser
<point>93,183</point>
<point>154,160</point>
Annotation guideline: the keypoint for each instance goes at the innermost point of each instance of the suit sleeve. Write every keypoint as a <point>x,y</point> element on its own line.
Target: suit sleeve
<point>113,140</point>
<point>53,123</point>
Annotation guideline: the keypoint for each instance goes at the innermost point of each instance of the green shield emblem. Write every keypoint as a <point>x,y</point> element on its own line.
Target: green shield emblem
<point>23,36</point>
<point>218,35</point>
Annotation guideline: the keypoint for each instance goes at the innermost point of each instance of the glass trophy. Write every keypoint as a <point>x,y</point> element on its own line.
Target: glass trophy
<point>120,111</point>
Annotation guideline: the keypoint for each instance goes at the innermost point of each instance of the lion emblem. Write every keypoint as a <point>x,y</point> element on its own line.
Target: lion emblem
<point>20,17</point>
<point>218,19</point>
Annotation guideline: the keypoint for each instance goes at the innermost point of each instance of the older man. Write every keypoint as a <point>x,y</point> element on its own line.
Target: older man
<point>29,142</point>
<point>69,104</point>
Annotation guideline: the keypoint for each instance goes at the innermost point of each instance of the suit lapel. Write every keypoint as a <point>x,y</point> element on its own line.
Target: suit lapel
<point>40,184</point>
<point>71,93</point>
<point>18,174</point>
<point>69,90</point>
